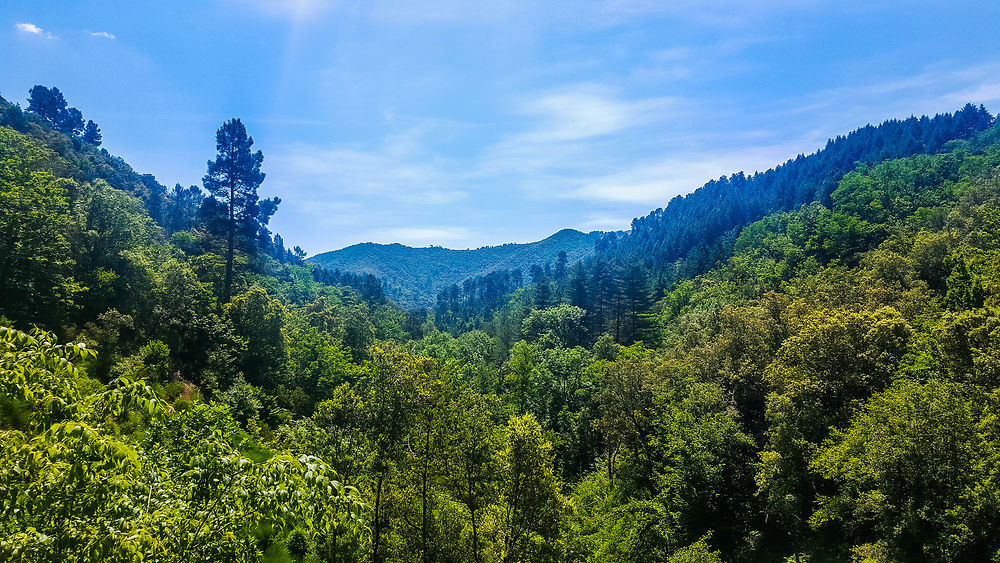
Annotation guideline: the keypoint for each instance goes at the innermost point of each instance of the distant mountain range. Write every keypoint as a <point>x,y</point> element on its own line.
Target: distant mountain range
<point>414,276</point>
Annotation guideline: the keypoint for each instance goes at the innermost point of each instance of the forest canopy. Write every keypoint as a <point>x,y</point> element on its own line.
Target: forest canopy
<point>801,364</point>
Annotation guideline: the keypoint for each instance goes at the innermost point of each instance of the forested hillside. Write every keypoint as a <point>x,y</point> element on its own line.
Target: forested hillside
<point>413,277</point>
<point>816,379</point>
<point>695,232</point>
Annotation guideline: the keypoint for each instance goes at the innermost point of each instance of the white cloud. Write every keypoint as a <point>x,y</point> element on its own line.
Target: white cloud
<point>588,110</point>
<point>577,131</point>
<point>34,30</point>
<point>650,183</point>
<point>602,222</point>
<point>654,183</point>
<point>420,236</point>
<point>29,28</point>
<point>102,34</point>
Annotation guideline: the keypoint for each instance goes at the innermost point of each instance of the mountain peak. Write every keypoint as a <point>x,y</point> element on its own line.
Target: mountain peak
<point>413,276</point>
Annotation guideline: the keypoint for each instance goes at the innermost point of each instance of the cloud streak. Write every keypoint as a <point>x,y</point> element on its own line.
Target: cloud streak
<point>102,34</point>
<point>585,111</point>
<point>33,29</point>
<point>420,236</point>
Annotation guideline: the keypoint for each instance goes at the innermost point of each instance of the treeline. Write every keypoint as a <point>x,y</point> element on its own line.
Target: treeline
<point>460,307</point>
<point>695,220</point>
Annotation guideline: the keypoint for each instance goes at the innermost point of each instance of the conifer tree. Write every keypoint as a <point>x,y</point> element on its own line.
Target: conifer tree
<point>232,180</point>
<point>92,134</point>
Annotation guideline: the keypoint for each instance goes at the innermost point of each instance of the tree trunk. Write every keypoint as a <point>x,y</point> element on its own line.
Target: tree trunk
<point>475,526</point>
<point>423,497</point>
<point>227,292</point>
<point>377,528</point>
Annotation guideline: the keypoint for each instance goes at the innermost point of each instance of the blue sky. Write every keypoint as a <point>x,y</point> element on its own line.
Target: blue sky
<point>470,123</point>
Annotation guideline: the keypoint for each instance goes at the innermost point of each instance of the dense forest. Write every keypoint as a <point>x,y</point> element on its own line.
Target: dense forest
<point>799,365</point>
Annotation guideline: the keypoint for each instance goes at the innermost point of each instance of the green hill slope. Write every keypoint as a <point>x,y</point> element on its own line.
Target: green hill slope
<point>413,276</point>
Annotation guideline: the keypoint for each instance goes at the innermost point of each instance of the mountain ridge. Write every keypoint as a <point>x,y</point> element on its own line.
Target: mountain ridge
<point>413,275</point>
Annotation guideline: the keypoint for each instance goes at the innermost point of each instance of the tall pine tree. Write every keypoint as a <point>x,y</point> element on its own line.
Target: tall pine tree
<point>232,180</point>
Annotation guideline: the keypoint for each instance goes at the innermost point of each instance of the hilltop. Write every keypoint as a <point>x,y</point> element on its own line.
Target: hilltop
<point>413,276</point>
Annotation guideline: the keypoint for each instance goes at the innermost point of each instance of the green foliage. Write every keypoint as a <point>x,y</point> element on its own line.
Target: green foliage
<point>234,209</point>
<point>37,284</point>
<point>74,488</point>
<point>817,380</point>
<point>917,473</point>
<point>258,320</point>
<point>529,516</point>
<point>556,326</point>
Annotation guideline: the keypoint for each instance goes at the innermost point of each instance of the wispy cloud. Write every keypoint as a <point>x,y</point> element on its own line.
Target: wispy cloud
<point>587,110</point>
<point>936,88</point>
<point>604,222</point>
<point>33,29</point>
<point>102,34</point>
<point>420,236</point>
<point>568,133</point>
<point>655,183</point>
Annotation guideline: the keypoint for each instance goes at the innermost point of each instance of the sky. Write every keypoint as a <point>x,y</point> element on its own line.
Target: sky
<point>463,124</point>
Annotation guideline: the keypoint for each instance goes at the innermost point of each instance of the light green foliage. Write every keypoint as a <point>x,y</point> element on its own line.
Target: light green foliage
<point>471,471</point>
<point>917,472</point>
<point>677,464</point>
<point>698,552</point>
<point>528,519</point>
<point>36,284</point>
<point>74,489</point>
<point>359,332</point>
<point>820,378</point>
<point>259,320</point>
<point>968,347</point>
<point>111,248</point>
<point>555,326</point>
<point>522,372</point>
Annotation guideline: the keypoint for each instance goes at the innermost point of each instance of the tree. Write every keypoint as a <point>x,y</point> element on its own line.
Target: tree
<point>259,319</point>
<point>92,134</point>
<point>77,489</point>
<point>821,376</point>
<point>916,474</point>
<point>182,207</point>
<point>471,470</point>
<point>522,372</point>
<point>232,180</point>
<point>50,105</point>
<point>531,505</point>
<point>390,392</point>
<point>561,262</point>
<point>46,103</point>
<point>35,265</point>
<point>556,326</point>
<point>70,122</point>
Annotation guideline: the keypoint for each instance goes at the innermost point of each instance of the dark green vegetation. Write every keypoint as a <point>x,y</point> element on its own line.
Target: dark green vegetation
<point>414,276</point>
<point>817,379</point>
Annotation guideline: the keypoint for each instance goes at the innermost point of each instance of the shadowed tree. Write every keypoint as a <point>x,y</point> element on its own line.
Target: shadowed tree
<point>50,104</point>
<point>92,134</point>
